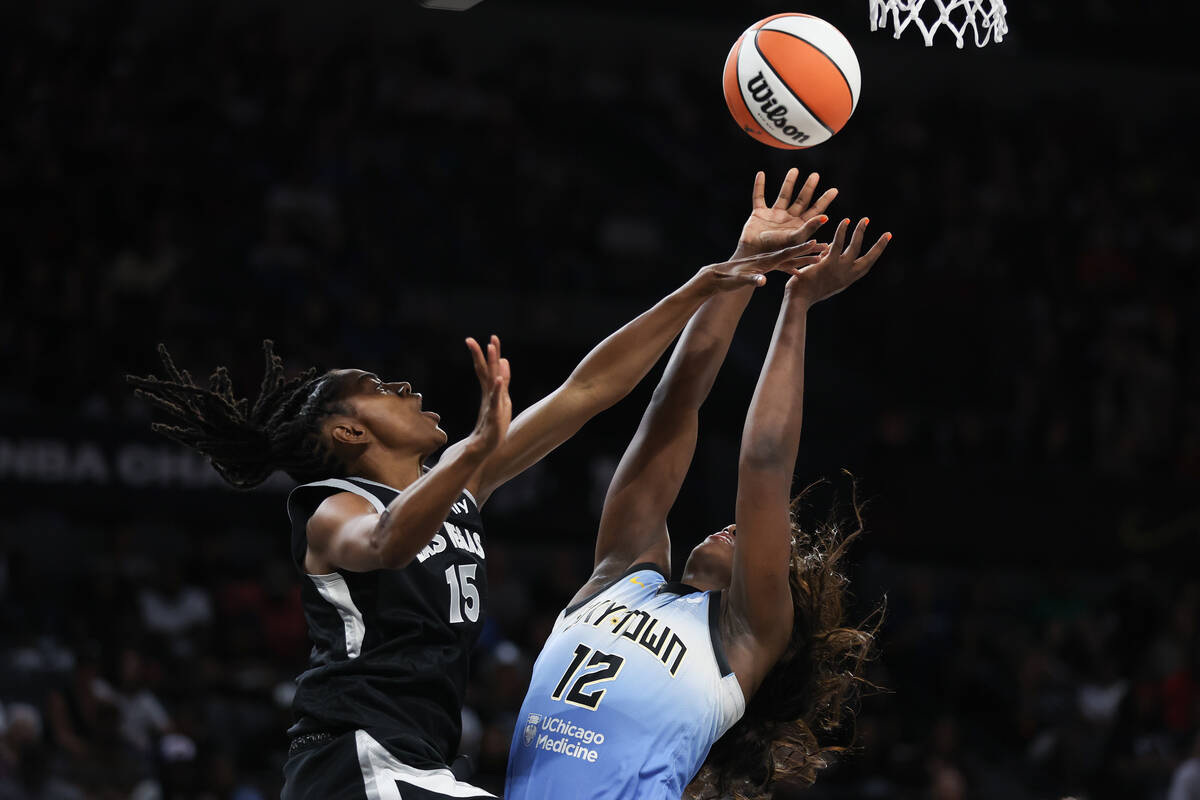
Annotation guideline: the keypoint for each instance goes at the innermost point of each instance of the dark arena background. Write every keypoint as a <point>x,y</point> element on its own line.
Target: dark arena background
<point>1016,386</point>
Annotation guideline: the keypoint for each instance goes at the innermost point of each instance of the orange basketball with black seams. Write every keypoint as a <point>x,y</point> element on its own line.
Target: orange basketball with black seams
<point>791,81</point>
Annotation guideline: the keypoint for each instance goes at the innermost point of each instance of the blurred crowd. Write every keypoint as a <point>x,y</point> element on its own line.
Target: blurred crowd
<point>171,677</point>
<point>225,175</point>
<point>213,184</point>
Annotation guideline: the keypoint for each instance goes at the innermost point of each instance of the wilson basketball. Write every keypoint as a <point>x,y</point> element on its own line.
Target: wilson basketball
<point>791,81</point>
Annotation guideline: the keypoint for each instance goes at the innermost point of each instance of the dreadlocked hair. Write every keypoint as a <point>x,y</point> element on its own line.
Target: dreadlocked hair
<point>803,713</point>
<point>247,442</point>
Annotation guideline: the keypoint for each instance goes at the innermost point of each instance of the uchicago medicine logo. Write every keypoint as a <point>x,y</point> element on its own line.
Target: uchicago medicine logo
<point>531,726</point>
<point>555,735</point>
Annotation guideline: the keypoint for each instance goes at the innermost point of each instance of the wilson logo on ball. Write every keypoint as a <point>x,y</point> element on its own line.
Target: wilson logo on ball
<point>773,111</point>
<point>791,81</point>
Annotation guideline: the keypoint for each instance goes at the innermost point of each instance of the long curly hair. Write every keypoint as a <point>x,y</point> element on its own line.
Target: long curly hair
<point>804,711</point>
<point>244,441</point>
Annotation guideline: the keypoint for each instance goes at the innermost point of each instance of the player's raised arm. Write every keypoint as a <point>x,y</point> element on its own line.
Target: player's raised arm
<point>759,607</point>
<point>616,365</point>
<point>633,526</point>
<point>347,533</point>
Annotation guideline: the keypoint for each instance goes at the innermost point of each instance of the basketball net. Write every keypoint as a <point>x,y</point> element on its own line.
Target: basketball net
<point>984,17</point>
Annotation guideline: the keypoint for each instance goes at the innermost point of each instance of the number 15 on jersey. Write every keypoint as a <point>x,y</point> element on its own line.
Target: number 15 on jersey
<point>464,597</point>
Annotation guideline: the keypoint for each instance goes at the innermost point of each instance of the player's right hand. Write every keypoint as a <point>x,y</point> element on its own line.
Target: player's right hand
<point>768,227</point>
<point>495,406</point>
<point>796,250</point>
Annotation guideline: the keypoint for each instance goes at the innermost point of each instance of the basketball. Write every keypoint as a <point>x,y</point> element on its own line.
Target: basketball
<point>791,81</point>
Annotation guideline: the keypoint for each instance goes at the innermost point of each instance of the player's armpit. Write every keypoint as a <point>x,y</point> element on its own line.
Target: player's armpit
<point>609,570</point>
<point>341,536</point>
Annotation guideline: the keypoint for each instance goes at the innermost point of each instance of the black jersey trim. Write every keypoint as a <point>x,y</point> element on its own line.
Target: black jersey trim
<point>677,587</point>
<point>635,568</point>
<point>714,633</point>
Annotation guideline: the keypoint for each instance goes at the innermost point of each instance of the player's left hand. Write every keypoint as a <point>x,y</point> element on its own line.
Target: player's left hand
<point>838,268</point>
<point>495,407</point>
<point>769,227</point>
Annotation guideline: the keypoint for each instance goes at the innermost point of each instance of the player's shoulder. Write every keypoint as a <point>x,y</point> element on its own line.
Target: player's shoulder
<point>633,579</point>
<point>307,496</point>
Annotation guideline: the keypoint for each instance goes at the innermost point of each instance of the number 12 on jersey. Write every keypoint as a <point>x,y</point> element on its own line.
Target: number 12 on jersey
<point>611,667</point>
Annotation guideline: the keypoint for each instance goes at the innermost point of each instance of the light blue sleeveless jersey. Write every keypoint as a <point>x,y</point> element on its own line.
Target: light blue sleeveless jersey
<point>629,693</point>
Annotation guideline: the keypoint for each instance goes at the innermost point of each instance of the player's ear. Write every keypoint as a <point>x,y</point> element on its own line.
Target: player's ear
<point>346,431</point>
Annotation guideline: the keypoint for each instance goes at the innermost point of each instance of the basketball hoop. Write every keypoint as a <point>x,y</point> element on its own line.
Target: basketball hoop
<point>984,17</point>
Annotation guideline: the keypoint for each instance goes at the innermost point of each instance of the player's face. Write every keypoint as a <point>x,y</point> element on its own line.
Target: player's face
<point>710,565</point>
<point>392,413</point>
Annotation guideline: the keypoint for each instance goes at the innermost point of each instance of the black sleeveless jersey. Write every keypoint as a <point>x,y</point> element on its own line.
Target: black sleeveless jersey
<point>390,647</point>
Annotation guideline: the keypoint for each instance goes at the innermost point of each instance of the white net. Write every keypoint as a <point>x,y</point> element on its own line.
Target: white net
<point>984,18</point>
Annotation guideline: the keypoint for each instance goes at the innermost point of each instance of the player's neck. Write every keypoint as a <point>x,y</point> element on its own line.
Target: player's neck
<point>701,580</point>
<point>398,470</point>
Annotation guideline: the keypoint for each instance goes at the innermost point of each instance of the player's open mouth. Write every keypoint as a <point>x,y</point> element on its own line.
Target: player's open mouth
<point>724,536</point>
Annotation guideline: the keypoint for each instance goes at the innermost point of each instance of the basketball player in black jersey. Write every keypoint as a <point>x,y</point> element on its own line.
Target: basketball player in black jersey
<point>393,553</point>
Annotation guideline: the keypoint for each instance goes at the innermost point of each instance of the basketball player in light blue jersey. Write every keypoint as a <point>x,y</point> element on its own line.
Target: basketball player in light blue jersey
<point>640,674</point>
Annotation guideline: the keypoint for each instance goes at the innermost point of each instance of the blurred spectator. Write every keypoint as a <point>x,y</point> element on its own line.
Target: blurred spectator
<point>176,611</point>
<point>1185,783</point>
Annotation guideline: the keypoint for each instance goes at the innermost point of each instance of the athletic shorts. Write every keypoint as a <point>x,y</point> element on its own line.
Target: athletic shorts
<point>353,766</point>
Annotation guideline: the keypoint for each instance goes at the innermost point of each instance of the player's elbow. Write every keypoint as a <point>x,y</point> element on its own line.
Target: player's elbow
<point>390,554</point>
<point>765,456</point>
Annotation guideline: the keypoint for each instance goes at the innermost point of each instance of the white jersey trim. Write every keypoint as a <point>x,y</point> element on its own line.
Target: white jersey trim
<point>401,491</point>
<point>377,483</point>
<point>732,702</point>
<point>333,588</point>
<point>381,770</point>
<point>347,486</point>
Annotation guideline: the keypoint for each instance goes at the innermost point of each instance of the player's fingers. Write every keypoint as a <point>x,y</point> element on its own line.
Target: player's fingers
<point>797,265</point>
<point>806,195</point>
<point>786,188</point>
<point>491,361</point>
<point>505,371</point>
<point>792,251</point>
<point>839,236</point>
<point>477,359</point>
<point>856,240</point>
<point>758,199</point>
<point>872,255</point>
<point>823,201</point>
<point>496,394</point>
<point>804,261</point>
<point>811,247</point>
<point>810,227</point>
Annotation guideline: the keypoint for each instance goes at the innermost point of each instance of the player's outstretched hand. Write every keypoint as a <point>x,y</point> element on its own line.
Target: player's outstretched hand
<point>769,227</point>
<point>495,407</point>
<point>839,267</point>
<point>797,249</point>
